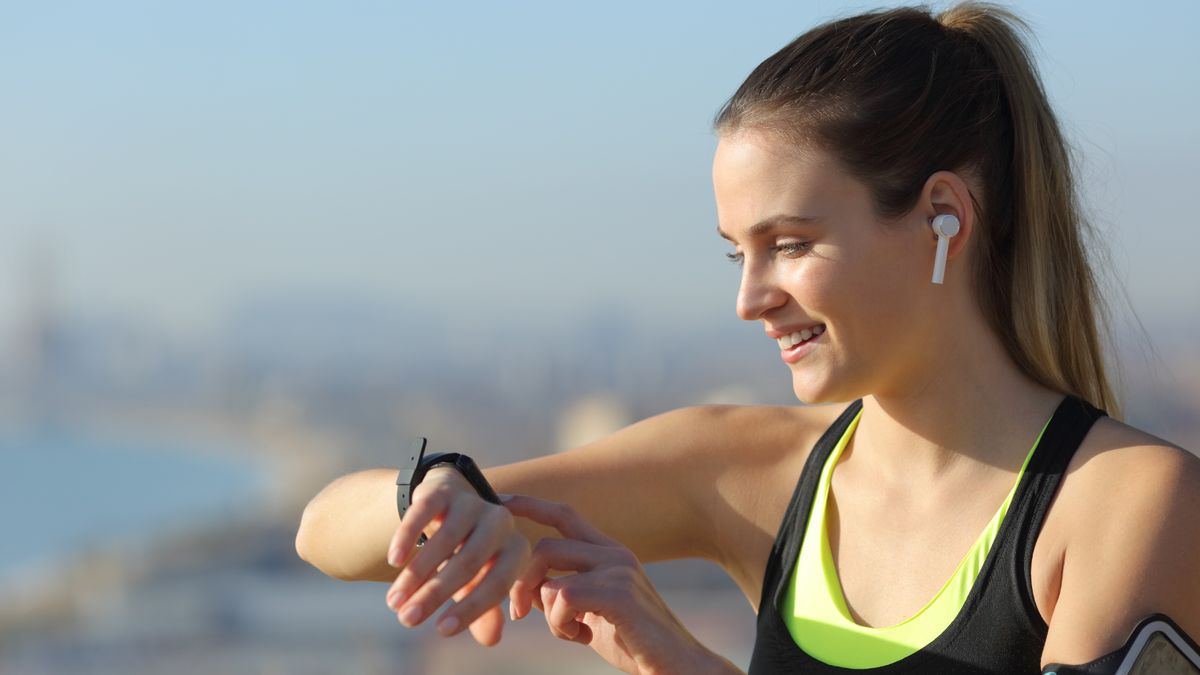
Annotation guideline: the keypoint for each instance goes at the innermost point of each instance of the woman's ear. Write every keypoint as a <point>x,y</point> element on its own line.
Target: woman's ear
<point>946,193</point>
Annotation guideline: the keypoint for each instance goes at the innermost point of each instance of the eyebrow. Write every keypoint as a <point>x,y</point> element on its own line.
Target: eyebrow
<point>768,224</point>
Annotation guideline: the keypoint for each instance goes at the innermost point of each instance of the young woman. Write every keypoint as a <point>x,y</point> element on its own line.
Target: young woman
<point>898,193</point>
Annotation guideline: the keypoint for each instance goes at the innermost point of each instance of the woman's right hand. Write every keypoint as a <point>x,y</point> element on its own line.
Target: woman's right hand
<point>608,603</point>
<point>474,556</point>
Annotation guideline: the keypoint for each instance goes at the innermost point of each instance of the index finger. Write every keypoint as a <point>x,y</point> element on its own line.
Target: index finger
<point>418,516</point>
<point>558,515</point>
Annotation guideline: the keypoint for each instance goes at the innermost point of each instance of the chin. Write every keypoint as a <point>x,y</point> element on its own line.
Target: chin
<point>808,392</point>
<point>811,389</point>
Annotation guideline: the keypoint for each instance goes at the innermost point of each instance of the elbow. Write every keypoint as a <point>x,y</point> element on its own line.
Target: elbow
<point>313,545</point>
<point>304,534</point>
<point>307,537</point>
<point>343,530</point>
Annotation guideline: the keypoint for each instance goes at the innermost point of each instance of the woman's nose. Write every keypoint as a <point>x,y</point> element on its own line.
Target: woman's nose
<point>758,293</point>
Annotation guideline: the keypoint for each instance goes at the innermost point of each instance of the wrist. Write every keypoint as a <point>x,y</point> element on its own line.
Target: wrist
<point>449,474</point>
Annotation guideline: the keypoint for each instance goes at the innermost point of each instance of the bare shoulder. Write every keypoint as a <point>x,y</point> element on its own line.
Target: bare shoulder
<point>1118,462</point>
<point>1112,444</point>
<point>1133,541</point>
<point>752,463</point>
<point>752,434</point>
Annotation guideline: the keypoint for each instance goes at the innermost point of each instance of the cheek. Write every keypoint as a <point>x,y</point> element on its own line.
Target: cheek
<point>815,285</point>
<point>872,296</point>
<point>886,295</point>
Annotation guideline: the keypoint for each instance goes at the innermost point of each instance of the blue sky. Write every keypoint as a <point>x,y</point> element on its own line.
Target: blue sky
<point>524,159</point>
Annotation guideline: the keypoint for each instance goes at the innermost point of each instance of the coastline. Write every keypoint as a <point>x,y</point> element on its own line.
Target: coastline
<point>298,460</point>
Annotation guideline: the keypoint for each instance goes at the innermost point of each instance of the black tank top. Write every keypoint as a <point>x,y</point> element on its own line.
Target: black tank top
<point>998,631</point>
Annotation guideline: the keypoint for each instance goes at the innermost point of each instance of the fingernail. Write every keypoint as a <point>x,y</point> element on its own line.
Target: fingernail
<point>504,498</point>
<point>447,624</point>
<point>410,615</point>
<point>393,557</point>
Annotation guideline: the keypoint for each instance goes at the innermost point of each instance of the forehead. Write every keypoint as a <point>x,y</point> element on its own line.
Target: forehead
<point>755,176</point>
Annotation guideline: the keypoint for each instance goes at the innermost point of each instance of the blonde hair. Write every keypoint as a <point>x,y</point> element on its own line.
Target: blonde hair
<point>898,94</point>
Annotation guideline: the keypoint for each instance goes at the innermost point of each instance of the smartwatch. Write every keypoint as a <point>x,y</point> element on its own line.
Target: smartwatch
<point>417,464</point>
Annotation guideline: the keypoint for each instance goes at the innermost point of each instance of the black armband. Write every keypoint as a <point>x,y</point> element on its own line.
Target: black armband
<point>1156,646</point>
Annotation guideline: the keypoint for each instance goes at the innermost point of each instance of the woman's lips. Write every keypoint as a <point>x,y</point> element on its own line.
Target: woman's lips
<point>797,352</point>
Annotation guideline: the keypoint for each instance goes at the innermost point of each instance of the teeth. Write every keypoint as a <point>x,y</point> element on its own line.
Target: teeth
<point>793,339</point>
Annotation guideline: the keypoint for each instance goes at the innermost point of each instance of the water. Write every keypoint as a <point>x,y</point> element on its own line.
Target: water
<point>62,492</point>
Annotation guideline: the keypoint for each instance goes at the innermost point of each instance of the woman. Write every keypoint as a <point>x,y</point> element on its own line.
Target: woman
<point>899,196</point>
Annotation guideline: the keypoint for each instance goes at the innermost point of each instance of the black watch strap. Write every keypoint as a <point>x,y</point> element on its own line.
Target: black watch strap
<point>467,467</point>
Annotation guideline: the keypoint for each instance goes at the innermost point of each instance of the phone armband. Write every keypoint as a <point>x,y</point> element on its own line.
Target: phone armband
<point>1156,646</point>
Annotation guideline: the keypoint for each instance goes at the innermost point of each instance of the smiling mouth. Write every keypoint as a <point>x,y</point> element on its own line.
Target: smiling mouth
<point>793,340</point>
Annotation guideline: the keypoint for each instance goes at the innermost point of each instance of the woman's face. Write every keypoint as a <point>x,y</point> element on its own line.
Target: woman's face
<point>836,265</point>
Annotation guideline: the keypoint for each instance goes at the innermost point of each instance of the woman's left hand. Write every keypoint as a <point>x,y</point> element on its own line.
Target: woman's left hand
<point>608,604</point>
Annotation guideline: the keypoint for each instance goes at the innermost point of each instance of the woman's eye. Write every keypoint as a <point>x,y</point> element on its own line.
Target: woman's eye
<point>793,247</point>
<point>790,249</point>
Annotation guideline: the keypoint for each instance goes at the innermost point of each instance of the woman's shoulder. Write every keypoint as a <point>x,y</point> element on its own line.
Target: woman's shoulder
<point>753,457</point>
<point>757,434</point>
<point>1116,456</point>
<point>1118,466</point>
<point>1132,541</point>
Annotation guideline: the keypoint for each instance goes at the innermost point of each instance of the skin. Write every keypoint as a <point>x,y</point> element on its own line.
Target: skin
<point>947,420</point>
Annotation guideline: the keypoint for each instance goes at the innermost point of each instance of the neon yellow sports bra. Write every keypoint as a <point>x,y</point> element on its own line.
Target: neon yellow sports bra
<point>815,611</point>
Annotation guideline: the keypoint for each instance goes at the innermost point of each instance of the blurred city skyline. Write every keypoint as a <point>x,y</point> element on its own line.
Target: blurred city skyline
<point>175,163</point>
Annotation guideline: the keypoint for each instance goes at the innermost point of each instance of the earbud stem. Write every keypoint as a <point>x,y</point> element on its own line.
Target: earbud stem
<point>939,259</point>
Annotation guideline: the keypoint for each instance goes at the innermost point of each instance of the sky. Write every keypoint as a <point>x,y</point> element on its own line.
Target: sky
<point>174,161</point>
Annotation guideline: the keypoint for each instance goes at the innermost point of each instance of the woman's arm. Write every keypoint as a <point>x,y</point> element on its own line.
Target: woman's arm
<point>650,485</point>
<point>1135,552</point>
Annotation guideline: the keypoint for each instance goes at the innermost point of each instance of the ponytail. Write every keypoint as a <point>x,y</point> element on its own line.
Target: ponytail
<point>1054,310</point>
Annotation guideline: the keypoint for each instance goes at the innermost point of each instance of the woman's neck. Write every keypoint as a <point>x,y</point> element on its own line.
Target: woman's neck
<point>968,411</point>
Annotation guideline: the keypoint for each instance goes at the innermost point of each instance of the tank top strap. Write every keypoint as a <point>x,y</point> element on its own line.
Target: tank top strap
<point>1072,420</point>
<point>786,548</point>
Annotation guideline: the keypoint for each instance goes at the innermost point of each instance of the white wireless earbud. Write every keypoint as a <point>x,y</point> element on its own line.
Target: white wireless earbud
<point>946,226</point>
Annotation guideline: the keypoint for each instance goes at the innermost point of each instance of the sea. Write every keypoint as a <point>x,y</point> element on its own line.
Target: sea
<point>64,491</point>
